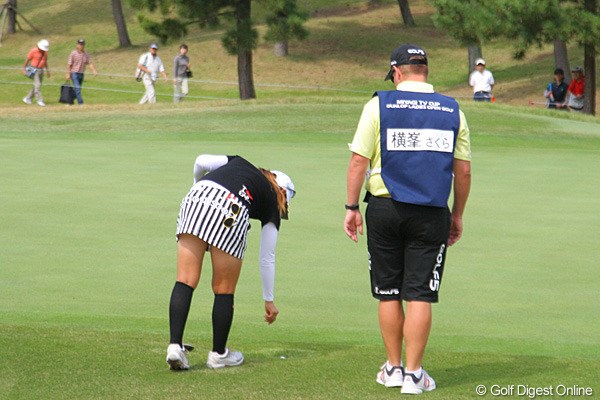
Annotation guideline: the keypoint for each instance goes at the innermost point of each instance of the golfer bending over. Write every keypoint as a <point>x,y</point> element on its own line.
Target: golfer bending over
<point>214,216</point>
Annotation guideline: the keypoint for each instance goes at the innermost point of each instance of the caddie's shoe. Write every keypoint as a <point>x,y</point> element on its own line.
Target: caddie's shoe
<point>390,376</point>
<point>41,103</point>
<point>414,384</point>
<point>26,100</point>
<point>176,357</point>
<point>229,359</point>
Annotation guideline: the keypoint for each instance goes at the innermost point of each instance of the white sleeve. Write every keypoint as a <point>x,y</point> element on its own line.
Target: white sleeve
<point>206,163</point>
<point>268,242</point>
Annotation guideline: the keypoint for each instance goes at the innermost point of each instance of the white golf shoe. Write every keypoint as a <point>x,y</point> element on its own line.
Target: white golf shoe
<point>176,357</point>
<point>26,100</point>
<point>417,385</point>
<point>228,359</point>
<point>390,376</point>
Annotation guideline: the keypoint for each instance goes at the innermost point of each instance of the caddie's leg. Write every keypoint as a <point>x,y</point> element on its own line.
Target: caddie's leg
<point>391,321</point>
<point>417,326</point>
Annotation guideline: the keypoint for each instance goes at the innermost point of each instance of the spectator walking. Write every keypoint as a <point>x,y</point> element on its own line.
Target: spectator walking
<point>150,66</point>
<point>556,92</point>
<point>482,81</point>
<point>181,69</point>
<point>35,65</point>
<point>413,145</point>
<point>576,89</point>
<point>76,63</point>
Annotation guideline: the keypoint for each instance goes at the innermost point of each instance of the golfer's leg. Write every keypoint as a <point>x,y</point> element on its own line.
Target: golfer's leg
<point>417,326</point>
<point>391,321</point>
<point>226,272</point>
<point>190,253</point>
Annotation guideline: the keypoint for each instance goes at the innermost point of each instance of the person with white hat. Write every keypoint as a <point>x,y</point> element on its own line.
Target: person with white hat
<point>482,81</point>
<point>149,66</point>
<point>214,217</point>
<point>34,67</point>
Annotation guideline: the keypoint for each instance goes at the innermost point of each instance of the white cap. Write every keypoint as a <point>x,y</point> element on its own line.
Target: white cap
<point>43,45</point>
<point>285,182</point>
<point>480,61</point>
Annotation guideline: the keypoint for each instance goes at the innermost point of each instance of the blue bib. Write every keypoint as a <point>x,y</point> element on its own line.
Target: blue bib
<point>418,137</point>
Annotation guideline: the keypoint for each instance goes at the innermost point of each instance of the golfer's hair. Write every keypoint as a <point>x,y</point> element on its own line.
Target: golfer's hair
<point>279,192</point>
<point>183,46</point>
<point>414,69</point>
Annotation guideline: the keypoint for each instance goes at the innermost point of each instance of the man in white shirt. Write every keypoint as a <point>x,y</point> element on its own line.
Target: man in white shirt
<point>150,65</point>
<point>482,82</point>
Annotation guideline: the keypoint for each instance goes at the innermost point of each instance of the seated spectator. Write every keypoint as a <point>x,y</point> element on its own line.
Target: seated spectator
<point>576,89</point>
<point>556,92</point>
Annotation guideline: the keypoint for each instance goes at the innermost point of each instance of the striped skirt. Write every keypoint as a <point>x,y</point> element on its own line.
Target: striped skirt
<point>215,215</point>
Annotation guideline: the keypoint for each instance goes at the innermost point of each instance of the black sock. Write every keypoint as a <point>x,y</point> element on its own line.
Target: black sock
<point>179,307</point>
<point>222,316</point>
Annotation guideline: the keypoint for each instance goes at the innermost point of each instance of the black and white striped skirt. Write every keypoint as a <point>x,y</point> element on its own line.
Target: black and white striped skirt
<point>215,215</point>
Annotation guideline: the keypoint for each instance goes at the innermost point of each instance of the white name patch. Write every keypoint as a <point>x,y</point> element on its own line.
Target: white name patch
<point>420,140</point>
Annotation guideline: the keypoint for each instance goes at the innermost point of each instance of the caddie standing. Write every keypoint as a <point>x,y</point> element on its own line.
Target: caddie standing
<point>412,144</point>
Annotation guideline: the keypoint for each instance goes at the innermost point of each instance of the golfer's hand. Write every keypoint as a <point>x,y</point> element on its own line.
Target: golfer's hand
<point>68,76</point>
<point>271,312</point>
<point>456,228</point>
<point>353,223</point>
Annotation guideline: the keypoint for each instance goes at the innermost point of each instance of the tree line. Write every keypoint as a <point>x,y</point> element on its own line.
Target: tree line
<point>471,22</point>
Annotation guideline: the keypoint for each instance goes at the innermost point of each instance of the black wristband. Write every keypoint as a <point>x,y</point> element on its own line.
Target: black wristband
<point>351,206</point>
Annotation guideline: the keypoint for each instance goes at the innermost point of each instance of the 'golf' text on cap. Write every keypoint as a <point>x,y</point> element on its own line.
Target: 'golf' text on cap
<point>407,54</point>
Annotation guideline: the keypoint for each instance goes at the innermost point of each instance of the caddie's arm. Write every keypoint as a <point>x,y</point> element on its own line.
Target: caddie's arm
<point>462,187</point>
<point>354,180</point>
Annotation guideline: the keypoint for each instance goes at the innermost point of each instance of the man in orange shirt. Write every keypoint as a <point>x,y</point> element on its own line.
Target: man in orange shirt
<point>37,62</point>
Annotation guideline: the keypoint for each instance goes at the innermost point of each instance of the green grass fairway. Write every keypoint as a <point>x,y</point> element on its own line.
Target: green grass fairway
<point>88,205</point>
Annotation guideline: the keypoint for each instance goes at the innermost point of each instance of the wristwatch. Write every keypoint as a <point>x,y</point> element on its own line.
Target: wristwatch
<point>351,206</point>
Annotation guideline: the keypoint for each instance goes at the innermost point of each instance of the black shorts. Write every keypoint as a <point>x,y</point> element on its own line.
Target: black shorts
<point>407,249</point>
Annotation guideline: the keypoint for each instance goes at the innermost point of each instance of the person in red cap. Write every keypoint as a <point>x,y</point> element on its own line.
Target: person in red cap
<point>576,89</point>
<point>413,145</point>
